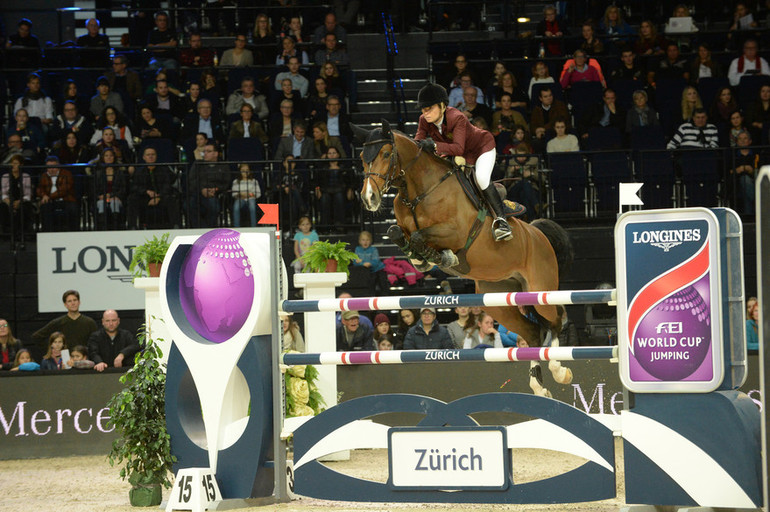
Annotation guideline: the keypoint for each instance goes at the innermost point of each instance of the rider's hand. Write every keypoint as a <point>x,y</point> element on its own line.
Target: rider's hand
<point>427,145</point>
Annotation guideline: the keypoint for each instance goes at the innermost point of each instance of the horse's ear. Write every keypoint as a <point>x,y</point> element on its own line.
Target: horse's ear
<point>385,128</point>
<point>359,133</point>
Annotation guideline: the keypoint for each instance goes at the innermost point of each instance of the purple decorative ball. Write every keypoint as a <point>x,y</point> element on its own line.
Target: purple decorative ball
<point>673,339</point>
<point>216,288</point>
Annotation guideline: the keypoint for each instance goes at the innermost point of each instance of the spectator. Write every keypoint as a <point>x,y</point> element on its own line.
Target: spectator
<point>613,25</point>
<point>523,176</point>
<point>506,119</point>
<point>545,114</point>
<point>744,169</point>
<point>297,145</point>
<point>56,191</point>
<point>519,135</point>
<point>111,346</point>
<point>282,122</point>
<point>316,101</point>
<point>735,128</point>
<point>196,56</point>
<point>108,140</point>
<point>337,122</point>
<point>752,326</point>
<point>247,95</point>
<point>368,255</point>
<point>123,80</point>
<point>161,42</point>
<point>23,39</point>
<point>70,151</point>
<point>540,75</point>
<point>698,133</point>
<point>93,39</point>
<point>222,17</point>
<point>190,100</point>
<point>79,358</point>
<point>606,113</point>
<point>690,101</point>
<point>52,360</point>
<point>330,25</point>
<point>641,114</point>
<point>163,100</point>
<point>497,73</point>
<point>263,39</point>
<point>150,127</point>
<point>35,102</point>
<point>331,74</point>
<point>70,93</point>
<point>104,98</point>
<point>9,345</point>
<point>482,334</point>
<point>552,30</point>
<point>298,81</point>
<point>304,237</point>
<point>508,84</point>
<point>649,42</point>
<point>461,67</point>
<point>456,328</point>
<point>290,50</point>
<point>207,181</point>
<point>31,135</point>
<point>322,141</point>
<point>210,88</point>
<point>247,127</point>
<point>723,106</point>
<point>473,110</point>
<point>288,92</point>
<point>245,192</point>
<point>704,66</point>
<point>333,189</point>
<point>14,147</point>
<point>200,144</point>
<point>110,188</point>
<point>407,318</point>
<point>151,196</point>
<point>352,336</point>
<point>111,118</point>
<point>292,337</point>
<point>427,333</point>
<point>563,142</point>
<point>70,121</point>
<point>239,56</point>
<point>15,213</point>
<point>203,122</point>
<point>758,114</point>
<point>580,70</point>
<point>673,66</point>
<point>747,64</point>
<point>384,338</point>
<point>295,30</point>
<point>331,52</point>
<point>743,20</point>
<point>75,326</point>
<point>456,95</point>
<point>629,69</point>
<point>588,42</point>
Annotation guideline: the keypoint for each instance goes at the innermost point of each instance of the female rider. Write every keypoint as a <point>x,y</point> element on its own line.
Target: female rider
<point>447,131</point>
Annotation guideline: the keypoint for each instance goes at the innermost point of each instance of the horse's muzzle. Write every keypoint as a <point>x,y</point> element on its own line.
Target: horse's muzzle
<point>370,197</point>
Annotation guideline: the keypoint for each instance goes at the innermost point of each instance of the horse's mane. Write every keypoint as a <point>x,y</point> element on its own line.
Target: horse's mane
<point>433,156</point>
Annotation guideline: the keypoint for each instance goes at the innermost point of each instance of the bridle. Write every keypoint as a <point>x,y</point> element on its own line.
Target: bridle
<point>390,177</point>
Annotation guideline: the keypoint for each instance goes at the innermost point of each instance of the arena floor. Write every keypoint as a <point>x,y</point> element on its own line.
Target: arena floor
<point>75,484</point>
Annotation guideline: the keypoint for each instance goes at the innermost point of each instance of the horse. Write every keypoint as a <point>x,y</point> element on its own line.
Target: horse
<point>437,223</point>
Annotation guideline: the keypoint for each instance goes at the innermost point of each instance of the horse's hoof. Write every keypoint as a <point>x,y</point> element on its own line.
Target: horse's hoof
<point>563,375</point>
<point>421,265</point>
<point>544,392</point>
<point>396,235</point>
<point>535,372</point>
<point>449,259</point>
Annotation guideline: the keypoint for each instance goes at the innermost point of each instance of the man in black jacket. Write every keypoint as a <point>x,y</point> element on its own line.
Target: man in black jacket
<point>206,182</point>
<point>112,346</point>
<point>351,335</point>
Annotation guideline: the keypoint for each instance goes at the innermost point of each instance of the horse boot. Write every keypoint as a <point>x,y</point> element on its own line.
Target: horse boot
<point>500,227</point>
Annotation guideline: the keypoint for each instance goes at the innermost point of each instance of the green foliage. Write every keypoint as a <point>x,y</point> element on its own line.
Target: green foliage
<point>152,251</point>
<point>320,252</point>
<point>143,448</point>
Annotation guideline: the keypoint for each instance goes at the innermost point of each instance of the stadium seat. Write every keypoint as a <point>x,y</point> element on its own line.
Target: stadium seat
<point>608,169</point>
<point>700,177</point>
<point>568,188</point>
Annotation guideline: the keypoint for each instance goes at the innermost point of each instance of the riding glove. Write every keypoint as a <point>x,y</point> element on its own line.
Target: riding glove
<point>427,145</point>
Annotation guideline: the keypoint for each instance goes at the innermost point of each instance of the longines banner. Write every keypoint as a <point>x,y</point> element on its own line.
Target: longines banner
<point>94,263</point>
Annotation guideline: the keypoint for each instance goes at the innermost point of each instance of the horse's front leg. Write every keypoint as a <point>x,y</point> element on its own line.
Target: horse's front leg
<point>425,241</point>
<point>417,259</point>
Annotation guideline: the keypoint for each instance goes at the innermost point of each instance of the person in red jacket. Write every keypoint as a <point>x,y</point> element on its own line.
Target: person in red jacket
<point>448,132</point>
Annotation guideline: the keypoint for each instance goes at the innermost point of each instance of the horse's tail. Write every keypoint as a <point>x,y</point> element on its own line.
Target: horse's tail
<point>559,239</point>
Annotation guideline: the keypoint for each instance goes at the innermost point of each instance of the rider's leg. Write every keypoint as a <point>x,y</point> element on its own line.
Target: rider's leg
<point>484,166</point>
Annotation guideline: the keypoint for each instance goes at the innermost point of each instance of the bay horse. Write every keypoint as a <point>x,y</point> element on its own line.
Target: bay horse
<point>437,223</point>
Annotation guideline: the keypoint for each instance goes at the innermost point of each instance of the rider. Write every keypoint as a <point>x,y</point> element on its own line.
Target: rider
<point>446,130</point>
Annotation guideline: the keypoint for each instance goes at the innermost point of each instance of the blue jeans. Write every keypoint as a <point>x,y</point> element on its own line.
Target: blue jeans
<point>746,193</point>
<point>251,203</point>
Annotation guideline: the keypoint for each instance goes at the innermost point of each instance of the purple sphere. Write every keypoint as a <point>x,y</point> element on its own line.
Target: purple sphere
<point>673,339</point>
<point>216,288</point>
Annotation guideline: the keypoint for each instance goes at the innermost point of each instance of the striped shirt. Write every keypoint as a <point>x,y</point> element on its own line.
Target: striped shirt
<point>690,136</point>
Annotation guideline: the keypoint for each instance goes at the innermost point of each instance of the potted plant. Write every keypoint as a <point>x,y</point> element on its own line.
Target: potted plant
<point>327,257</point>
<point>137,412</point>
<point>148,257</point>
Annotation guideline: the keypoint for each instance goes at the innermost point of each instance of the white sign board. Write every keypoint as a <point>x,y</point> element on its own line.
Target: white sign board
<point>95,263</point>
<point>448,458</point>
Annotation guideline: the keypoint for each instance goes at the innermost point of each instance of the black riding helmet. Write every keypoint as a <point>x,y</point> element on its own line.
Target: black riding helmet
<point>430,95</point>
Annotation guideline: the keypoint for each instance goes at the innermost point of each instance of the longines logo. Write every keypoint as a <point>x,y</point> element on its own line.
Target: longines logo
<point>666,239</point>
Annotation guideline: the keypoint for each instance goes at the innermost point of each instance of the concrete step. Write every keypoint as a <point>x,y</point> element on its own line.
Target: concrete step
<point>383,106</point>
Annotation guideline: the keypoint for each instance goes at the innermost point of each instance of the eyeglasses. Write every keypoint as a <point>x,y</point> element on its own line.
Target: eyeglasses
<point>333,104</point>
<point>3,325</point>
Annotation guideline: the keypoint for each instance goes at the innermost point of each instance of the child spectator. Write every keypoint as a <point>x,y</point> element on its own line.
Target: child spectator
<point>24,361</point>
<point>482,334</point>
<point>384,344</point>
<point>79,358</point>
<point>245,192</point>
<point>303,239</point>
<point>384,337</point>
<point>752,329</point>
<point>52,359</point>
<point>369,257</point>
<point>292,338</point>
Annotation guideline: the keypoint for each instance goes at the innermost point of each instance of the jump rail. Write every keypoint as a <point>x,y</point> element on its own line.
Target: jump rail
<point>565,297</point>
<point>461,355</point>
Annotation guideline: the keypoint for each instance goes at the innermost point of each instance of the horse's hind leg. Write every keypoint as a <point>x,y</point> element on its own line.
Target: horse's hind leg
<point>560,373</point>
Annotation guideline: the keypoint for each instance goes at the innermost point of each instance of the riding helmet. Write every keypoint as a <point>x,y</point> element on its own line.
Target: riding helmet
<point>432,94</point>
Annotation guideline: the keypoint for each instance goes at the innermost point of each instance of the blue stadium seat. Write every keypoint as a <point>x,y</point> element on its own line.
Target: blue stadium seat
<point>568,183</point>
<point>700,177</point>
<point>608,169</point>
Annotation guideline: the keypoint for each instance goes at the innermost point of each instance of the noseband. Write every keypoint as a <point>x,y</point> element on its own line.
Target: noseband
<point>389,177</point>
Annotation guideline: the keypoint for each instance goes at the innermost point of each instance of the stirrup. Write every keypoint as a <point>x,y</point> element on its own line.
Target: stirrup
<point>501,229</point>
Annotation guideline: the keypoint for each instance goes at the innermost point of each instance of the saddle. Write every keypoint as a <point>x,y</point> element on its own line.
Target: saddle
<point>464,175</point>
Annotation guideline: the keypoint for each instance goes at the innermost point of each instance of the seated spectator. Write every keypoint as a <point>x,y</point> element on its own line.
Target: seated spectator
<point>123,80</point>
<point>104,98</point>
<point>316,101</point>
<point>330,25</point>
<point>24,38</point>
<point>752,325</point>
<point>282,122</point>
<point>322,141</point>
<point>407,318</point>
<point>110,189</point>
<point>552,30</point>
<point>758,114</point>
<point>337,122</point>
<point>56,191</point>
<point>203,122</point>
<point>70,93</point>
<point>473,110</point>
<point>295,30</point>
<point>508,84</point>
<point>690,101</point>
<point>298,82</point>
<point>540,75</point>
<point>264,40</point>
<point>427,333</point>
<point>199,150</point>
<point>110,346</point>
<point>52,360</point>
<point>384,338</point>
<point>297,145</point>
<point>162,75</point>
<point>519,135</point>
<point>79,358</point>
<point>683,38</point>
<point>461,67</point>
<point>292,337</point>
<point>290,50</point>
<point>743,172</point>
<point>736,126</point>
<point>588,41</point>
<point>111,118</point>
<point>9,345</point>
<point>749,63</point>
<point>92,39</point>
<point>704,66</point>
<point>497,74</point>
<point>698,133</point>
<point>545,114</point>
<point>331,74</point>
<point>240,56</point>
<point>163,100</point>
<point>743,20</point>
<point>35,102</point>
<point>245,191</point>
<point>506,119</point>
<point>207,182</point>
<point>108,140</point>
<point>723,106</point>
<point>523,179</point>
<point>629,68</point>
<point>334,188</point>
<point>483,334</point>
<point>352,336</point>
<point>32,138</point>
<point>150,127</point>
<point>291,192</point>
<point>16,215</point>
<point>247,94</point>
<point>288,92</point>
<point>70,121</point>
<point>649,42</point>
<point>368,255</point>
<point>331,52</point>
<point>190,100</point>
<point>673,66</point>
<point>162,43</point>
<point>69,150</point>
<point>151,198</point>
<point>641,114</point>
<point>196,56</point>
<point>563,141</point>
<point>210,87</point>
<point>613,25</point>
<point>247,126</point>
<point>580,70</point>
<point>606,113</point>
<point>456,95</point>
<point>14,148</point>
<point>222,17</point>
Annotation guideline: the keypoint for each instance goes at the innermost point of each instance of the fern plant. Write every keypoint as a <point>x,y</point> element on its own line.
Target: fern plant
<point>318,255</point>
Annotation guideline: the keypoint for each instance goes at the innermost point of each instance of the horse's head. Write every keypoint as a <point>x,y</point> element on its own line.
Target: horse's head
<point>380,159</point>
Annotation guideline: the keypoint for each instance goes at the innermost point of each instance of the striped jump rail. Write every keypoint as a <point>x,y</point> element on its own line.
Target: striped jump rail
<point>492,355</point>
<point>451,301</point>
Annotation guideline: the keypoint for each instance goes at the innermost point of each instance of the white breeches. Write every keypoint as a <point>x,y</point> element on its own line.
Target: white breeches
<point>484,167</point>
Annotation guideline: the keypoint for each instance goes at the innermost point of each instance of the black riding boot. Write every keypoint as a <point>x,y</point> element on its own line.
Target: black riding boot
<point>500,227</point>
